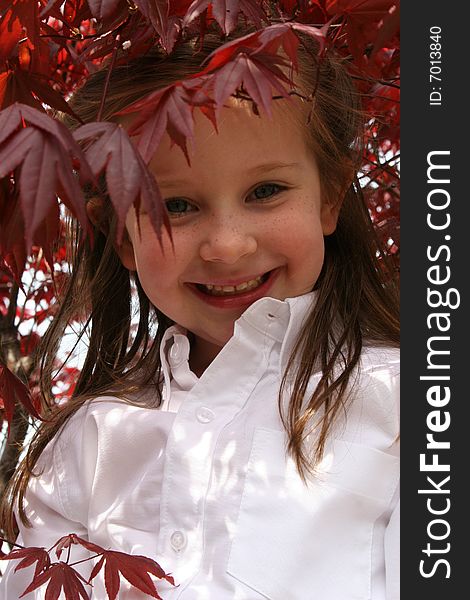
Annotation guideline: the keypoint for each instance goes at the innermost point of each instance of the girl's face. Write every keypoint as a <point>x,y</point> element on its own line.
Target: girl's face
<point>247,220</point>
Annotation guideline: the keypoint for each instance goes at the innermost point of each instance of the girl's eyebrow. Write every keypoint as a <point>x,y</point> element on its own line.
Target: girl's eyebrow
<point>263,168</point>
<point>272,166</point>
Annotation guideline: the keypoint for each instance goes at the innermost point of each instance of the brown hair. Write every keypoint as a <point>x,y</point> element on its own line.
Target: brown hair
<point>357,300</point>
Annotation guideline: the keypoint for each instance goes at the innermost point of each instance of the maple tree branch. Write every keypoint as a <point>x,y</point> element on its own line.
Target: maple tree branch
<point>385,162</point>
<point>373,177</point>
<point>13,447</point>
<point>10,354</point>
<point>11,313</point>
<point>383,167</point>
<point>242,96</point>
<point>388,83</point>
<point>30,289</point>
<point>338,32</point>
<point>75,37</point>
<point>4,540</point>
<point>78,562</point>
<point>49,550</point>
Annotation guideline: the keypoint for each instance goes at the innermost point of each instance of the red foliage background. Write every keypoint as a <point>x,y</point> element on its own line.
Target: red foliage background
<point>49,47</point>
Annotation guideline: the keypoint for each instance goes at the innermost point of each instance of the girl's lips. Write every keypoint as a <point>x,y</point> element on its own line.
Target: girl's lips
<point>237,300</point>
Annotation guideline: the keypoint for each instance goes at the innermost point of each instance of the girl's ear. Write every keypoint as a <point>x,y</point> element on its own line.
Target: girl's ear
<point>329,214</point>
<point>96,212</point>
<point>125,251</point>
<point>332,202</point>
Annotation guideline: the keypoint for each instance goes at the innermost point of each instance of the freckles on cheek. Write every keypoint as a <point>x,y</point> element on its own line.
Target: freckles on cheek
<point>148,245</point>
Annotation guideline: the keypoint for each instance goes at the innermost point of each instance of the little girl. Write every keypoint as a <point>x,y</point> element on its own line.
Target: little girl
<point>246,436</point>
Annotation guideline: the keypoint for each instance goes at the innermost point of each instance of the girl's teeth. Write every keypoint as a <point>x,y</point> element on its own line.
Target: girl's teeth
<point>220,290</point>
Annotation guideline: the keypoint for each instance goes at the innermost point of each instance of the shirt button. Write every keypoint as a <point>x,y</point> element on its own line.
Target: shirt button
<point>204,414</point>
<point>176,354</point>
<point>178,540</point>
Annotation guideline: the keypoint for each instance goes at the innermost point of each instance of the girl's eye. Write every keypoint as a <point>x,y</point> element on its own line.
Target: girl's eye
<point>266,191</point>
<point>178,207</point>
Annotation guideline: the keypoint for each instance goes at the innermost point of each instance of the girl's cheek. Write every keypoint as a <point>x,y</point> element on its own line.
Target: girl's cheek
<point>165,257</point>
<point>148,243</point>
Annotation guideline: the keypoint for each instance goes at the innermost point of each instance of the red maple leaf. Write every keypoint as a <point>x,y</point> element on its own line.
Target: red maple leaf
<point>26,13</point>
<point>360,9</point>
<point>248,61</point>
<point>72,539</point>
<point>10,34</point>
<point>268,40</point>
<point>388,28</point>
<point>226,12</point>
<point>136,29</point>
<point>135,569</point>
<point>240,62</point>
<point>45,154</point>
<point>61,577</point>
<point>31,555</point>
<point>165,24</point>
<point>13,391</point>
<point>258,73</point>
<point>39,85</point>
<point>167,109</point>
<point>28,343</point>
<point>110,152</point>
<point>12,249</point>
<point>367,23</point>
<point>104,9</point>
<point>292,6</point>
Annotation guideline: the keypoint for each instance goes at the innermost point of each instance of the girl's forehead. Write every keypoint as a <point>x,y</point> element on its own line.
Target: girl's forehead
<point>243,138</point>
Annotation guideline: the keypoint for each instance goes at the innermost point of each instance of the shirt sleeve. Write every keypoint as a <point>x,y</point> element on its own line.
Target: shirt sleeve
<point>56,505</point>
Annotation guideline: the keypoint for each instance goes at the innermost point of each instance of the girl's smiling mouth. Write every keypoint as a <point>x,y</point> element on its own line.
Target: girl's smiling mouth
<point>223,290</point>
<point>237,293</point>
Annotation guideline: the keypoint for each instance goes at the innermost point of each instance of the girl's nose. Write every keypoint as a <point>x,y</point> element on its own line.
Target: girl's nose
<point>228,242</point>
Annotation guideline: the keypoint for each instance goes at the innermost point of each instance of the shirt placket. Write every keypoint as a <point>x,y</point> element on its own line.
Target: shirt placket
<point>212,403</point>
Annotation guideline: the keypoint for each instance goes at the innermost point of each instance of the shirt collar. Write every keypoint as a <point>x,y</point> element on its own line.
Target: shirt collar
<point>174,356</point>
<point>287,319</point>
<point>300,309</point>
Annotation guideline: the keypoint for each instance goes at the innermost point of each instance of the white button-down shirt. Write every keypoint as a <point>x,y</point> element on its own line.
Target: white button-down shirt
<point>203,484</point>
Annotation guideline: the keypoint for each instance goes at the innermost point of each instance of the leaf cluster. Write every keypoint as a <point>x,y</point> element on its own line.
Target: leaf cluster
<point>49,47</point>
<point>61,576</point>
